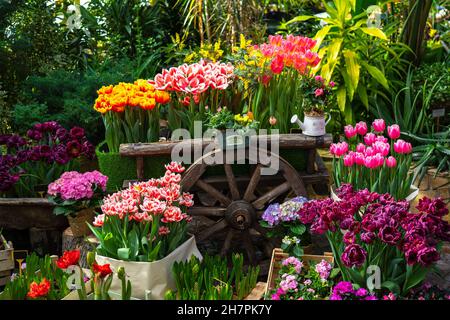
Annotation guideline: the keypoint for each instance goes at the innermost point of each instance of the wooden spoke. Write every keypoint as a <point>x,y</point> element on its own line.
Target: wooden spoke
<point>213,192</point>
<point>272,194</point>
<point>231,182</point>
<point>294,180</point>
<point>249,192</point>
<point>207,211</point>
<point>261,230</point>
<point>248,245</point>
<point>227,243</point>
<point>219,225</point>
<point>192,175</point>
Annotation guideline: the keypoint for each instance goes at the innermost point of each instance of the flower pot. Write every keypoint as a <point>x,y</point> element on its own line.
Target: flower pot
<point>229,139</point>
<point>151,280</point>
<point>78,224</point>
<point>277,258</point>
<point>312,125</point>
<point>414,191</point>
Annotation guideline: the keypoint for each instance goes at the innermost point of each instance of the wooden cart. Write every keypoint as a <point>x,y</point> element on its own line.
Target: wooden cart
<point>230,198</point>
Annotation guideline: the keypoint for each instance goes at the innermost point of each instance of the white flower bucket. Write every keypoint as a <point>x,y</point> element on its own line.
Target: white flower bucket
<point>151,280</point>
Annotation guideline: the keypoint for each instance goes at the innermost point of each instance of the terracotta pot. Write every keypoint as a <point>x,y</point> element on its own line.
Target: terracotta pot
<point>78,224</point>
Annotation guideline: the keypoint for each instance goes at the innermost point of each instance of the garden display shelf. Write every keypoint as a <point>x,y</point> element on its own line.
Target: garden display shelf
<point>6,260</point>
<point>36,216</point>
<point>278,256</point>
<point>230,198</point>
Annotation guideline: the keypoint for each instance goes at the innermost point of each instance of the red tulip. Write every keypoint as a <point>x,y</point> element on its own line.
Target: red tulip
<point>69,258</point>
<point>102,270</point>
<point>39,290</point>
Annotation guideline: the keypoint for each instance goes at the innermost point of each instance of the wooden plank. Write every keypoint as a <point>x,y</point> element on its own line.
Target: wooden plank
<point>160,148</point>
<point>258,292</point>
<point>286,141</point>
<point>25,202</point>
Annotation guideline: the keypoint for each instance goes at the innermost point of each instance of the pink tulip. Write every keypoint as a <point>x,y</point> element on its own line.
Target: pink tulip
<point>373,162</point>
<point>402,147</point>
<point>369,152</point>
<point>361,148</point>
<point>391,162</point>
<point>361,128</point>
<point>359,158</point>
<point>349,159</point>
<point>318,78</point>
<point>370,138</point>
<point>378,125</point>
<point>381,139</point>
<point>381,148</point>
<point>394,131</point>
<point>332,84</point>
<point>339,149</point>
<point>349,131</point>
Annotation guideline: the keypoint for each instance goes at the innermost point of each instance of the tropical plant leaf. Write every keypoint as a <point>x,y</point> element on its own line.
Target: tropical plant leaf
<point>375,32</point>
<point>377,74</point>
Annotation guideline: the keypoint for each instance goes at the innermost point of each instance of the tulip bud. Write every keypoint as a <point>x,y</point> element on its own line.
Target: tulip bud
<point>379,125</point>
<point>370,138</point>
<point>391,162</point>
<point>90,258</point>
<point>349,159</point>
<point>349,131</point>
<point>272,120</point>
<point>361,128</point>
<point>121,273</point>
<point>360,148</point>
<point>394,131</point>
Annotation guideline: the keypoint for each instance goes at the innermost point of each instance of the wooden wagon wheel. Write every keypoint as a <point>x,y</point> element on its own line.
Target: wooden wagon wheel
<point>236,207</point>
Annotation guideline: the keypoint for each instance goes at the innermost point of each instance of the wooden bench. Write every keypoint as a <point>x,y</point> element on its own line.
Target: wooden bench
<point>315,172</point>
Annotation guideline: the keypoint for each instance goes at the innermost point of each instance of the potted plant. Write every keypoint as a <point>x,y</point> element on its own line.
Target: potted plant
<point>316,97</point>
<point>270,75</point>
<point>76,195</point>
<point>144,229</point>
<point>231,131</point>
<point>370,229</point>
<point>195,88</point>
<point>27,166</point>
<point>131,114</point>
<point>283,224</point>
<point>371,160</point>
<point>218,280</point>
<point>301,279</point>
<point>97,285</point>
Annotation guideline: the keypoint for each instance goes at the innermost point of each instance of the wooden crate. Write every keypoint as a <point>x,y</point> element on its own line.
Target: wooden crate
<point>278,256</point>
<point>6,261</point>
